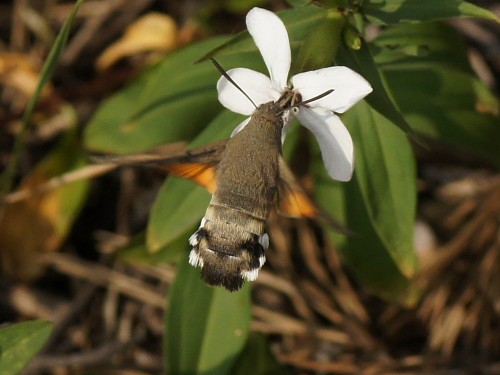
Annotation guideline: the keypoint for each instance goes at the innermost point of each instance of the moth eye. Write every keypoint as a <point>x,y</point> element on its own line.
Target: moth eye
<point>295,110</point>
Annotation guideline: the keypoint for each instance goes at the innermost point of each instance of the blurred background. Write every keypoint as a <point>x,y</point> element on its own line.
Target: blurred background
<point>74,253</point>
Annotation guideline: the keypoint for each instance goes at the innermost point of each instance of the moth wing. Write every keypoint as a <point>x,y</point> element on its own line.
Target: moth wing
<point>198,165</point>
<point>293,201</point>
<point>202,174</point>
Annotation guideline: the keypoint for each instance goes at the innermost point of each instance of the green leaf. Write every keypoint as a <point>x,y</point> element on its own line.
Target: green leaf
<point>320,46</point>
<point>378,205</point>
<point>298,3</point>
<point>398,11</point>
<point>180,204</point>
<point>437,91</point>
<point>167,103</point>
<point>385,173</point>
<point>241,6</point>
<point>298,23</point>
<point>257,358</point>
<point>363,252</point>
<point>48,68</point>
<point>20,342</point>
<point>362,62</point>
<point>206,328</point>
<point>462,129</point>
<point>137,252</point>
<point>441,108</point>
<point>428,42</point>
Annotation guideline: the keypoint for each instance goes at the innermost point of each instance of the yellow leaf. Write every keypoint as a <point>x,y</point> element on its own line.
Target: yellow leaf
<point>19,72</point>
<point>40,223</point>
<point>152,32</point>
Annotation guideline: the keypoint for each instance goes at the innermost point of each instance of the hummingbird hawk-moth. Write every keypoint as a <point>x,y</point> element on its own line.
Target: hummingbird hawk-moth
<point>247,177</point>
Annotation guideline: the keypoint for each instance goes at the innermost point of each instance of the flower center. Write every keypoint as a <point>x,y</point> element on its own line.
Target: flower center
<point>289,99</point>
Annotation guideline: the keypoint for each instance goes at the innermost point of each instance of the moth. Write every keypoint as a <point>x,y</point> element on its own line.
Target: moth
<point>248,178</point>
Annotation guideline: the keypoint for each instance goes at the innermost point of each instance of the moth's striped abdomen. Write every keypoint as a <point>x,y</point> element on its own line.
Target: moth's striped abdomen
<point>229,246</point>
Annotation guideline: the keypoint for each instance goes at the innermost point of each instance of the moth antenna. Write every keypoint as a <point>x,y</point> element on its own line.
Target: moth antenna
<point>226,76</point>
<point>293,107</point>
<point>327,92</point>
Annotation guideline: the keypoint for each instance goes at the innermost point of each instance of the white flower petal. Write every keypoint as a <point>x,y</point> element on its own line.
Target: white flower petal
<point>334,141</point>
<point>257,86</point>
<point>270,36</point>
<point>240,126</point>
<point>349,87</point>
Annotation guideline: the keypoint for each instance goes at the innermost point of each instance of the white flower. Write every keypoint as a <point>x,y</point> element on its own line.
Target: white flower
<point>271,38</point>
